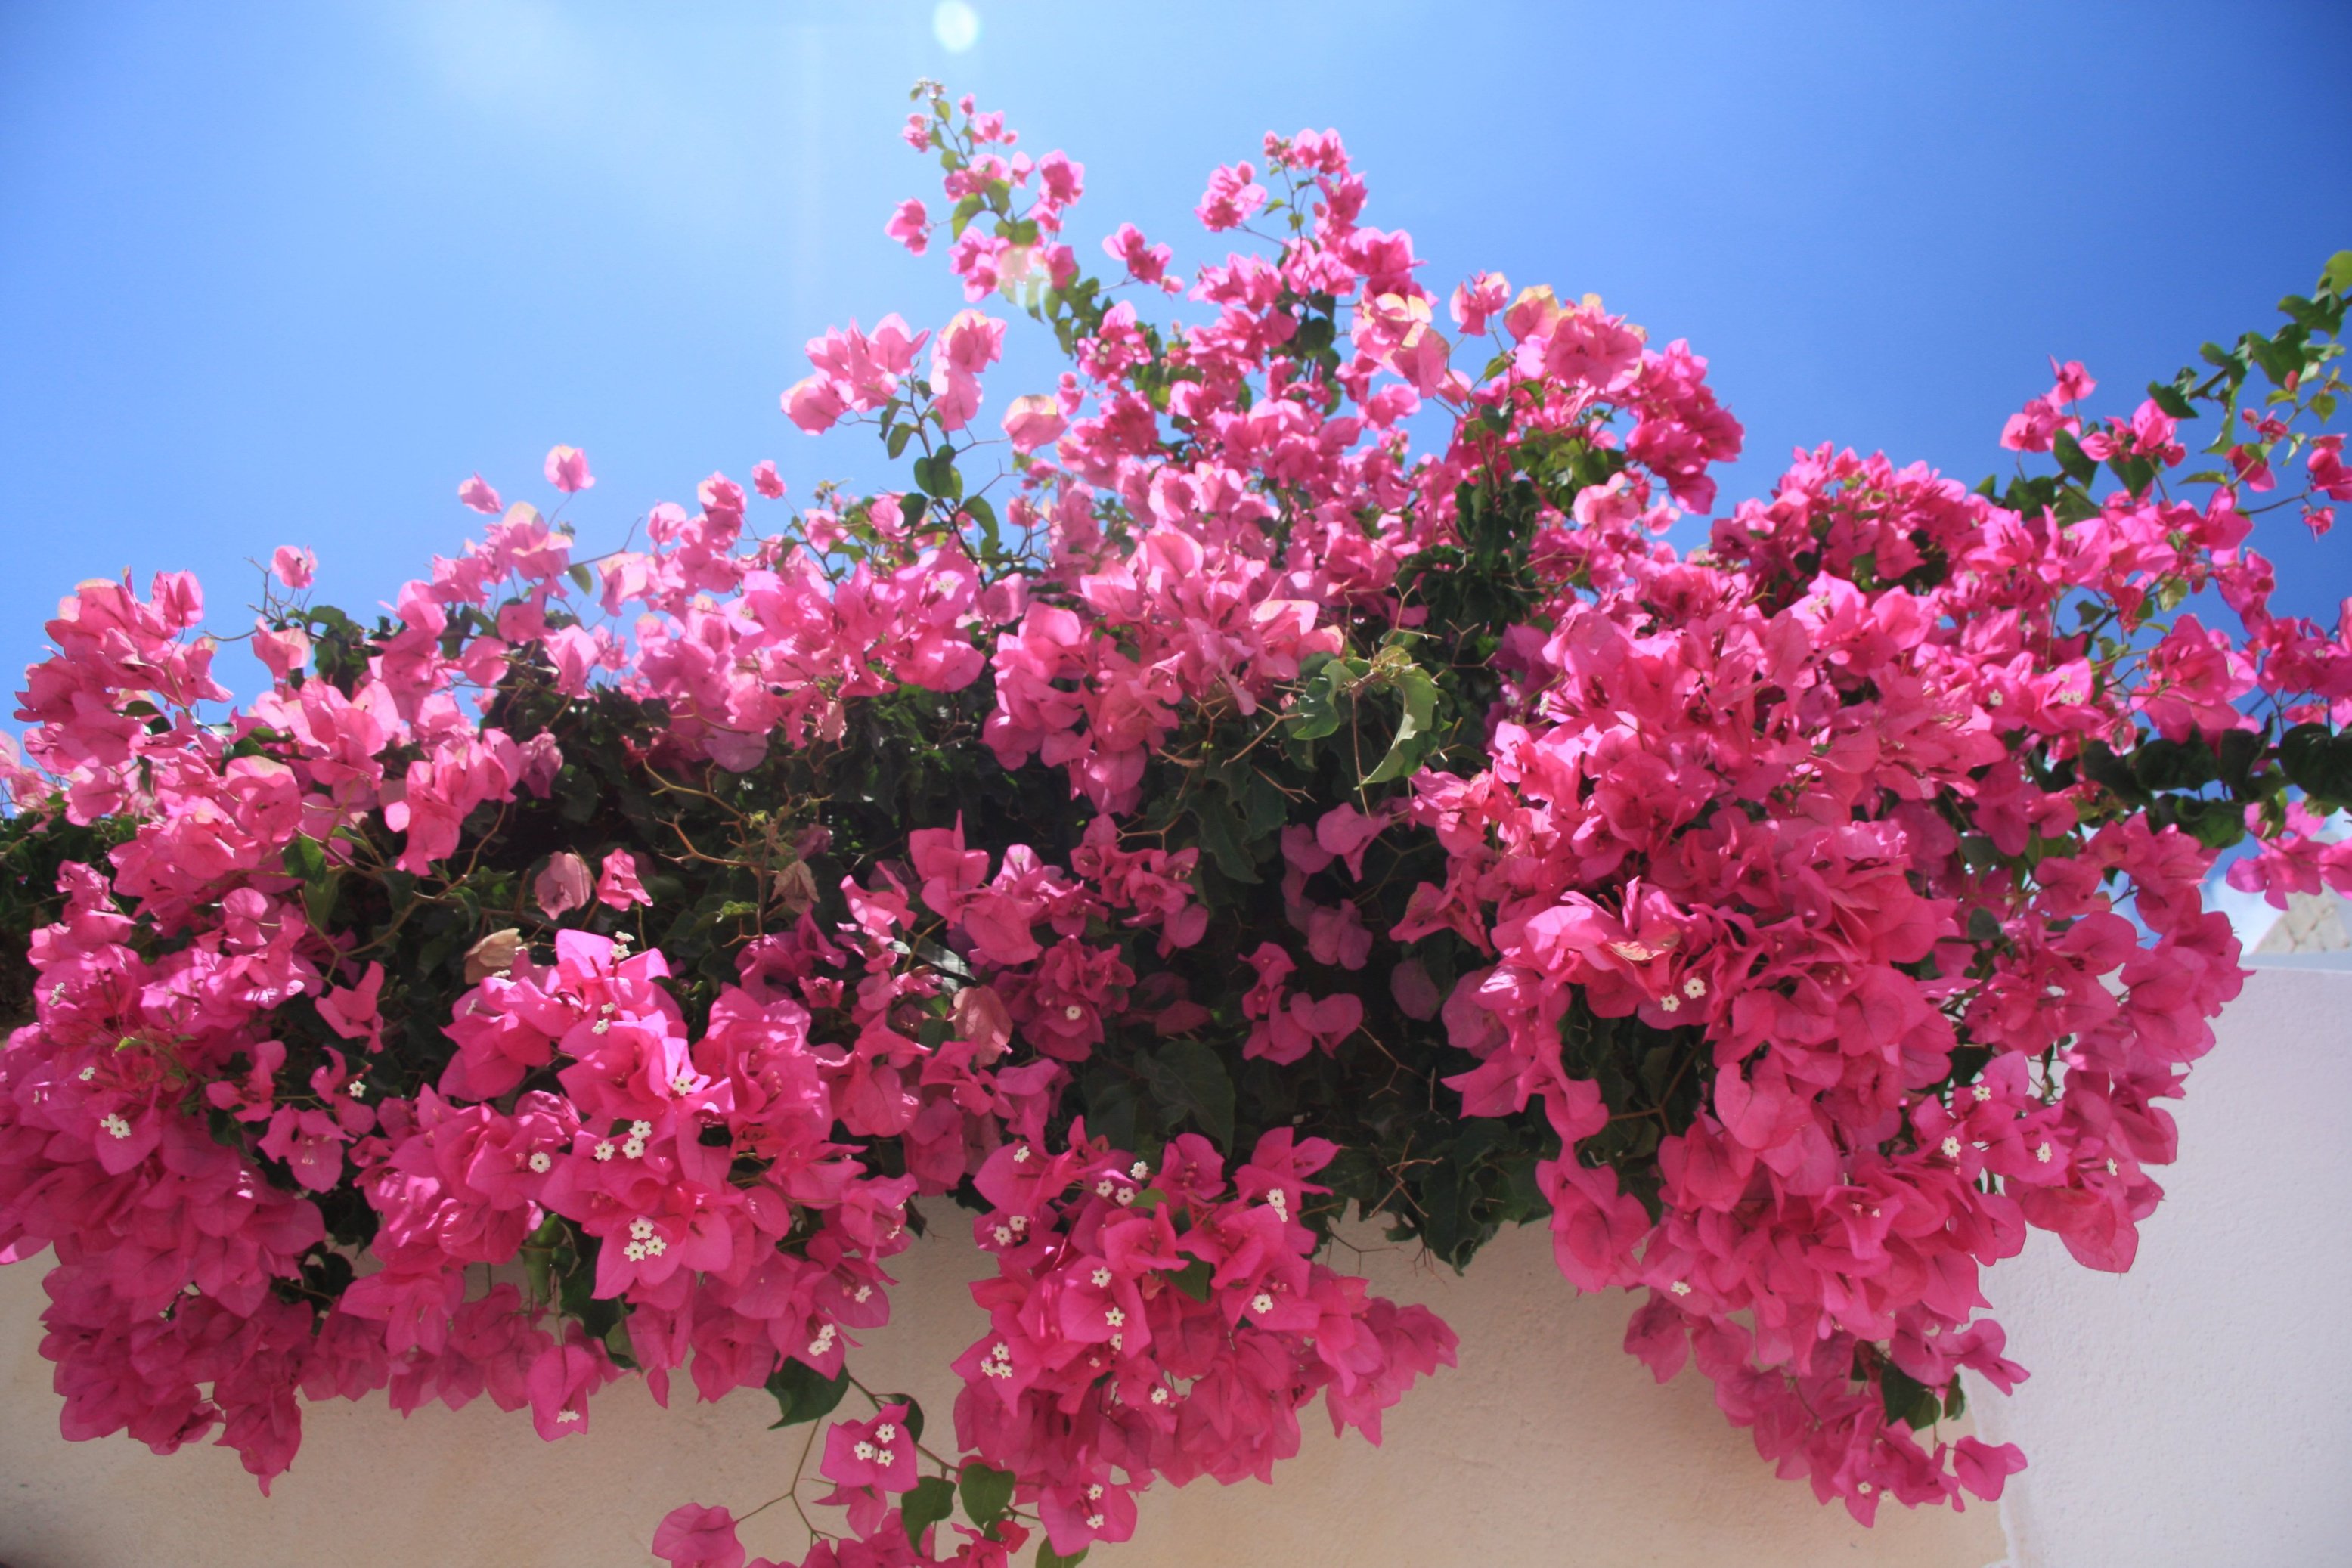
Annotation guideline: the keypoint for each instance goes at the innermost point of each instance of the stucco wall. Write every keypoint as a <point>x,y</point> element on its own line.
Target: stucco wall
<point>2189,1413</point>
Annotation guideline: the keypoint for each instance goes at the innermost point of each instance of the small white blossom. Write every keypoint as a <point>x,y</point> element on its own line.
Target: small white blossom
<point>564,1417</point>
<point>1114,1316</point>
<point>114,1126</point>
<point>640,1129</point>
<point>1021,1155</point>
<point>1680,1288</point>
<point>1101,1277</point>
<point>1139,1170</point>
<point>1951,1147</point>
<point>885,1433</point>
<point>540,1162</point>
<point>1262,1304</point>
<point>1694,988</point>
<point>1670,1002</point>
<point>603,1150</point>
<point>634,1149</point>
<point>1074,1012</point>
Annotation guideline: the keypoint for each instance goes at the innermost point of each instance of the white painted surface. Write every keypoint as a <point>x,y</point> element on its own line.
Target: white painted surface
<point>1548,1446</point>
<point>2193,1413</point>
<point>2190,1412</point>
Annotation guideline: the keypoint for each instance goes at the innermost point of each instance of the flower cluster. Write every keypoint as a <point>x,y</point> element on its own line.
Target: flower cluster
<point>1790,922</point>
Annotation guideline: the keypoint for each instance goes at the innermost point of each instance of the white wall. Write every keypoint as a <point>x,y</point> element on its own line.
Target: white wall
<point>2192,1412</point>
<point>2196,1413</point>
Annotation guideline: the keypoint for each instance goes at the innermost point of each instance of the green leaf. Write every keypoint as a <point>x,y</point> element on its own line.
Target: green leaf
<point>1049,1558</point>
<point>1193,1279</point>
<point>2168,398</point>
<point>320,898</point>
<point>1189,1078</point>
<point>2160,764</point>
<point>931,1500</point>
<point>1906,1399</point>
<point>1222,835</point>
<point>987,1493</point>
<point>1317,706</point>
<point>804,1394</point>
<point>910,508</point>
<point>2318,763</point>
<point>2072,458</point>
<point>980,511</point>
<point>2337,276</point>
<point>306,859</point>
<point>898,441</point>
<point>1412,736</point>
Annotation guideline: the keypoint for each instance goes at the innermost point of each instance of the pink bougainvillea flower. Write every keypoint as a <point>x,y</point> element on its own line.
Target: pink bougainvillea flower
<point>910,225</point>
<point>477,493</point>
<point>766,480</point>
<point>293,566</point>
<point>567,469</point>
<point>693,1536</point>
<point>880,1453</point>
<point>617,884</point>
<point>562,886</point>
<point>1034,421</point>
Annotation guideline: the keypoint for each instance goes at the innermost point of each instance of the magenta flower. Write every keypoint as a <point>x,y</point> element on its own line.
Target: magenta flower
<point>617,886</point>
<point>880,1453</point>
<point>562,886</point>
<point>477,493</point>
<point>292,566</point>
<point>567,469</point>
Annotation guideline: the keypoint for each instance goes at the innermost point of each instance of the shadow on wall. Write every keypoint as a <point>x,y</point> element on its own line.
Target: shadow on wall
<point>2165,1424</point>
<point>1548,1444</point>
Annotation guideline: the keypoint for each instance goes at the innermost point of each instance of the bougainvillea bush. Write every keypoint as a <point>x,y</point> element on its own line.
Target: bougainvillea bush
<point>1199,806</point>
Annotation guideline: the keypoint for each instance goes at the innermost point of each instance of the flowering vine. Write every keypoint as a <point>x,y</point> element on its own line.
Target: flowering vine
<point>1183,814</point>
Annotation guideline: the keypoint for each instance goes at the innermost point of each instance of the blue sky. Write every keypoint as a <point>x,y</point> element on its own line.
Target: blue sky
<point>277,274</point>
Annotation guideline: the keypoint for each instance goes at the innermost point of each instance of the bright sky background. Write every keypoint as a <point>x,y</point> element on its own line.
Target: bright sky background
<point>289,273</point>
